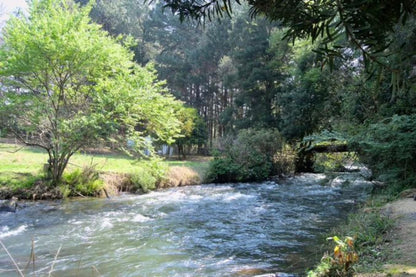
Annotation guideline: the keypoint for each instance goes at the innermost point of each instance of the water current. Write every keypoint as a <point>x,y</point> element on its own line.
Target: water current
<point>207,230</point>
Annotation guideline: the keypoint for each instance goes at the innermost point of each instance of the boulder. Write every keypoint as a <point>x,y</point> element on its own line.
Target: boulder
<point>408,193</point>
<point>9,206</point>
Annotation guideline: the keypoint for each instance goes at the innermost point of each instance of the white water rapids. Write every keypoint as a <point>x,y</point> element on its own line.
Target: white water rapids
<point>208,230</point>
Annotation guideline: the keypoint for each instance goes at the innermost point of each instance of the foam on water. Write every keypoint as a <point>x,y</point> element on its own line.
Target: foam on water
<point>209,230</point>
<point>140,218</point>
<point>6,232</point>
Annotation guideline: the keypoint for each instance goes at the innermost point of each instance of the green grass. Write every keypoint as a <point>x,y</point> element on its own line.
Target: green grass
<point>369,228</point>
<point>16,166</point>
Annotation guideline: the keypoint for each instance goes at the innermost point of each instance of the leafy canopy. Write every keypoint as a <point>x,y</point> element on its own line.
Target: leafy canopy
<point>367,24</point>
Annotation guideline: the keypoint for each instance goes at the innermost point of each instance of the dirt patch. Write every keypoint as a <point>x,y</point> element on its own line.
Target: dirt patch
<point>402,259</point>
<point>399,248</point>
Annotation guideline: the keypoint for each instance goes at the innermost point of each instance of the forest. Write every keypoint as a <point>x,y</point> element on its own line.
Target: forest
<point>344,78</point>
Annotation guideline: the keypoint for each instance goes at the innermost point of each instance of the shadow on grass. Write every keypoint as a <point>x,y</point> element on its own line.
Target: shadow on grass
<point>17,180</point>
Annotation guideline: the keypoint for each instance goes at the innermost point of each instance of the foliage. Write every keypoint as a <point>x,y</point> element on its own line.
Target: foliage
<point>246,72</point>
<point>258,74</point>
<point>193,130</point>
<point>368,227</point>
<point>248,157</point>
<point>388,148</point>
<point>340,263</point>
<point>126,17</point>
<point>70,85</point>
<point>149,175</point>
<point>222,170</point>
<point>366,24</point>
<point>83,181</point>
<point>330,162</point>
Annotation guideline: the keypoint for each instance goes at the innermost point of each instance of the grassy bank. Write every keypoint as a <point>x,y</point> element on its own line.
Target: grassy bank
<point>372,229</point>
<point>21,167</point>
<point>18,159</point>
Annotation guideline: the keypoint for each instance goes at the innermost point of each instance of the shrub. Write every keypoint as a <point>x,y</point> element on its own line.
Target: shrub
<point>340,262</point>
<point>222,170</point>
<point>149,175</point>
<point>253,155</point>
<point>389,149</point>
<point>143,180</point>
<point>83,182</point>
<point>330,162</point>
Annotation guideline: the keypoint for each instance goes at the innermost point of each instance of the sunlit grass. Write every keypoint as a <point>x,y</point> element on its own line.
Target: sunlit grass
<point>28,160</point>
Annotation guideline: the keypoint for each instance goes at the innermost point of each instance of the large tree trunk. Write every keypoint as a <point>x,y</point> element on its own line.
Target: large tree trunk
<point>56,167</point>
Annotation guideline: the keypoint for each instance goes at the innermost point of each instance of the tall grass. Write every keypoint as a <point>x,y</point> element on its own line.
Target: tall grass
<point>369,227</point>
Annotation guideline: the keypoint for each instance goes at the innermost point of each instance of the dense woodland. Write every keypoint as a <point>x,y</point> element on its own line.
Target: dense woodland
<point>336,80</point>
<point>302,73</point>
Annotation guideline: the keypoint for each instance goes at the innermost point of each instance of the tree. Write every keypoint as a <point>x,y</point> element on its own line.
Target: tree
<point>367,24</point>
<point>71,86</point>
<point>125,17</point>
<point>193,130</point>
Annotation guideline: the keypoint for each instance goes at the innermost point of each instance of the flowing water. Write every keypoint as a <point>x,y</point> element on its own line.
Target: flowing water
<point>208,230</point>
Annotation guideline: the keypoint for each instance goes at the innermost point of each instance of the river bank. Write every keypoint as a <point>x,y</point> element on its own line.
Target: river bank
<point>383,231</point>
<point>113,184</point>
<point>399,245</point>
<point>21,174</point>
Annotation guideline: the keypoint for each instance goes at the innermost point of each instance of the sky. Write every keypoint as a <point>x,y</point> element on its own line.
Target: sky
<point>9,6</point>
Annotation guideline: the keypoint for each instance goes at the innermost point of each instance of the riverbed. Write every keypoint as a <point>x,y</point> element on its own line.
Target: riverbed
<point>207,230</point>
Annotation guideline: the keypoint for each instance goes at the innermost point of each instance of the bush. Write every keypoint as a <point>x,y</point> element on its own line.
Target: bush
<point>254,155</point>
<point>222,170</point>
<point>340,263</point>
<point>83,182</point>
<point>389,149</point>
<point>143,180</point>
<point>369,227</point>
<point>149,175</point>
<point>330,162</point>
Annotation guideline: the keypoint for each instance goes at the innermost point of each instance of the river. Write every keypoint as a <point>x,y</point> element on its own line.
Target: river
<point>207,230</point>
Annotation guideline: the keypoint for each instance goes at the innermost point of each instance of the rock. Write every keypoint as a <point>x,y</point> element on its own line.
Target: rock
<point>338,181</point>
<point>408,193</point>
<point>378,184</point>
<point>9,206</point>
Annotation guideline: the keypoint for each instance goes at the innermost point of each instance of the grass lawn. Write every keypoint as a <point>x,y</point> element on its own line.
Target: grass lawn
<point>28,161</point>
